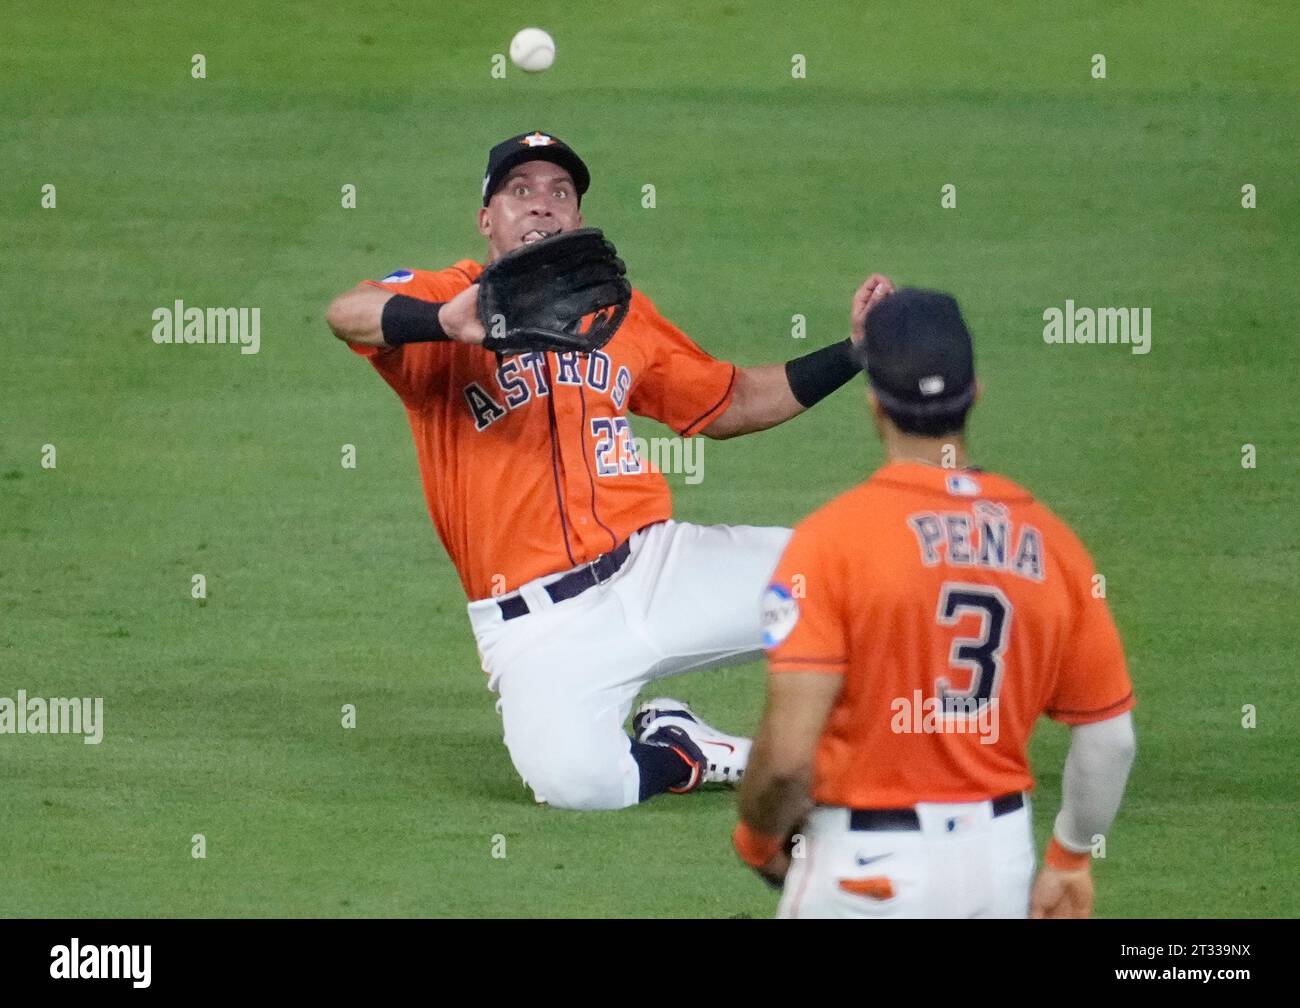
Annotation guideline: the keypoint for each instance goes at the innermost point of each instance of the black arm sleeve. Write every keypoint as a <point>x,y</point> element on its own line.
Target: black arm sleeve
<point>814,376</point>
<point>410,320</point>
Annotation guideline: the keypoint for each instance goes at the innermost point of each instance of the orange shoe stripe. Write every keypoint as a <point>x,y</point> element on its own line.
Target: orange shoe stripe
<point>695,772</point>
<point>878,887</point>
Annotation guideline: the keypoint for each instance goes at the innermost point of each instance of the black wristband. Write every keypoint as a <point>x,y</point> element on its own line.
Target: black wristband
<point>814,376</point>
<point>410,320</point>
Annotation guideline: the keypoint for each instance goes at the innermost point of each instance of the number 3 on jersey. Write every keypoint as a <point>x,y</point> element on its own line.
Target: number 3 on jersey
<point>982,654</point>
<point>615,451</point>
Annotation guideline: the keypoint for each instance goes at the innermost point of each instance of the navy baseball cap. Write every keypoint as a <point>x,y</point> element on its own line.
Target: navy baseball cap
<point>534,146</point>
<point>919,357</point>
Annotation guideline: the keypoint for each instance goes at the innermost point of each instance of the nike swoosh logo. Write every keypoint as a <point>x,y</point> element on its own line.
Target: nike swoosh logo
<point>864,861</point>
<point>711,741</point>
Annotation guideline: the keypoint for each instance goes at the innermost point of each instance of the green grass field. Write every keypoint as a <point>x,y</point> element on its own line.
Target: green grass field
<point>774,195</point>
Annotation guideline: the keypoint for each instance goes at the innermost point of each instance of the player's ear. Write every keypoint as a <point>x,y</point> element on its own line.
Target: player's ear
<point>484,228</point>
<point>979,390</point>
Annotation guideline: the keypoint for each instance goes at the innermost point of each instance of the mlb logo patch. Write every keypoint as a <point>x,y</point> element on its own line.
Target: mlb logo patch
<point>780,614</point>
<point>398,276</point>
<point>961,485</point>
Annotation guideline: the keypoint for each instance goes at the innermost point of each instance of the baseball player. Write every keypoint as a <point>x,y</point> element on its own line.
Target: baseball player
<point>916,628</point>
<point>582,587</point>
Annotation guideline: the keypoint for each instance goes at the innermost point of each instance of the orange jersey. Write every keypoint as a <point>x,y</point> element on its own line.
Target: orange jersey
<point>958,609</point>
<point>528,462</point>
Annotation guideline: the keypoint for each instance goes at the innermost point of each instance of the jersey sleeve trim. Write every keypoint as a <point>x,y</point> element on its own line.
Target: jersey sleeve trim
<point>1075,717</point>
<point>705,418</point>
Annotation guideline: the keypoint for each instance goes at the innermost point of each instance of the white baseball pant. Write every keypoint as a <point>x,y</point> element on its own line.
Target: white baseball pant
<point>962,862</point>
<point>567,673</point>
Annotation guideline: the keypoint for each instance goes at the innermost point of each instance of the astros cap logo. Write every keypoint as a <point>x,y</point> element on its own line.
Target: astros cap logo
<point>532,146</point>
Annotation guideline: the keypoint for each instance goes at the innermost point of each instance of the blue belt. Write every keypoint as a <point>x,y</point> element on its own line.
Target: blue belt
<point>574,583</point>
<point>907,819</point>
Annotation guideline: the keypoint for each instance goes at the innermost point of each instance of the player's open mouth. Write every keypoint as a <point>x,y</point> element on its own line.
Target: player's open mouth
<point>538,235</point>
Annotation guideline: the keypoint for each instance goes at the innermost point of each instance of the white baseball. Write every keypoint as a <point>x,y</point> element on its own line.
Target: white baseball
<point>532,49</point>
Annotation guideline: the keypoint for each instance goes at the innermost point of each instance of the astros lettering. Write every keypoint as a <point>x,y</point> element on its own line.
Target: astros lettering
<point>523,377</point>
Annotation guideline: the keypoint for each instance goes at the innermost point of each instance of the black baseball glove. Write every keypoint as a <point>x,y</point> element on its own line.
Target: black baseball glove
<point>565,292</point>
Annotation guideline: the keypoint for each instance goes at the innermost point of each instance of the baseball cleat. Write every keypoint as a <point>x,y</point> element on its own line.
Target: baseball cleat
<point>679,742</point>
<point>725,756</point>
